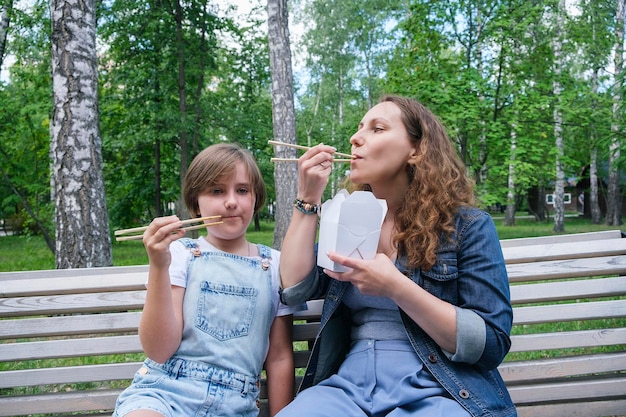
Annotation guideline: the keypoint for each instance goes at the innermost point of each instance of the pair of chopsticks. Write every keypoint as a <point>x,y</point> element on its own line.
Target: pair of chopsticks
<point>305,148</point>
<point>142,229</point>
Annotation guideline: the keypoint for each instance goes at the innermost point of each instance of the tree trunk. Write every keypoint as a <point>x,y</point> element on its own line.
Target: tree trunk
<point>283,114</point>
<point>158,204</point>
<point>614,203</point>
<point>318,98</point>
<point>536,203</point>
<point>204,53</point>
<point>594,206</point>
<point>509,217</point>
<point>5,11</point>
<point>182,105</point>
<point>481,179</point>
<point>559,186</point>
<point>82,225</point>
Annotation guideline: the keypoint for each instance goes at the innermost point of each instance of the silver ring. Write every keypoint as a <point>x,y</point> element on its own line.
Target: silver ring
<point>322,164</point>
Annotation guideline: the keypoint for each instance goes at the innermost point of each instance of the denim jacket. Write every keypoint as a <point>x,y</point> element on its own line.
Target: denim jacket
<point>469,273</point>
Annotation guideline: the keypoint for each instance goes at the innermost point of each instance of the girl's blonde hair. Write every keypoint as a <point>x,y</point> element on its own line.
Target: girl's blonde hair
<point>214,163</point>
<point>438,186</point>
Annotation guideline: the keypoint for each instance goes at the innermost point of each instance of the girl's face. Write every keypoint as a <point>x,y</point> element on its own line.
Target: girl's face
<point>381,147</point>
<point>233,199</point>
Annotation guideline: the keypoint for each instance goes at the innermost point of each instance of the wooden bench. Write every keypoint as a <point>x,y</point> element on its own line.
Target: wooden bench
<point>568,356</point>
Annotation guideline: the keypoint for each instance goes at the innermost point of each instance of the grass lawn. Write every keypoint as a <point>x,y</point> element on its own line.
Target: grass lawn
<point>528,227</point>
<point>24,253</point>
<point>27,253</point>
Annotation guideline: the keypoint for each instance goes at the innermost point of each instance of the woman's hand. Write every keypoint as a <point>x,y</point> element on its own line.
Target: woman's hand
<point>375,277</point>
<point>314,168</point>
<point>380,277</point>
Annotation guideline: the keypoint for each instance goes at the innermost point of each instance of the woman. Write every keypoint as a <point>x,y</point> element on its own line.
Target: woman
<point>420,329</point>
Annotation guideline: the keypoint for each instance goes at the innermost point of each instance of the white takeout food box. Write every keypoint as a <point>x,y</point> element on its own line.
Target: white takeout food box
<point>350,225</point>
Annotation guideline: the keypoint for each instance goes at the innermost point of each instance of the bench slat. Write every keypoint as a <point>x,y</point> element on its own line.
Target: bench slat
<point>73,285</point>
<point>69,374</point>
<point>574,390</point>
<point>569,238</point>
<point>70,325</point>
<point>611,407</point>
<point>313,311</point>
<point>568,340</point>
<point>305,331</point>
<point>525,371</point>
<point>569,312</point>
<point>556,251</point>
<point>74,303</point>
<point>72,272</point>
<point>301,358</point>
<point>567,268</point>
<point>568,290</point>
<point>69,348</point>
<point>65,402</point>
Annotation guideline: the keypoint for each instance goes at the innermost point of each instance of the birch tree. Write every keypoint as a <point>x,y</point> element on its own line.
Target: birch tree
<point>82,226</point>
<point>614,203</point>
<point>509,218</point>
<point>559,208</point>
<point>596,213</point>
<point>283,113</point>
<point>593,33</point>
<point>5,11</point>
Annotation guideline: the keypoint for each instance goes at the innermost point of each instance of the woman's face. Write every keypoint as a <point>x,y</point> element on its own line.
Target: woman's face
<point>381,147</point>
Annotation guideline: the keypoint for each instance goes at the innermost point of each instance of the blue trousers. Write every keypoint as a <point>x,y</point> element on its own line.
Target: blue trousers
<point>377,378</point>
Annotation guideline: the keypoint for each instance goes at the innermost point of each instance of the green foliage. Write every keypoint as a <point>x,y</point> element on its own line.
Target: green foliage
<point>146,124</point>
<point>485,67</point>
<point>141,122</point>
<point>24,117</point>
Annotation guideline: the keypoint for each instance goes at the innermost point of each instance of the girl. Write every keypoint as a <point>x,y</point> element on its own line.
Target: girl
<point>420,329</point>
<point>212,314</point>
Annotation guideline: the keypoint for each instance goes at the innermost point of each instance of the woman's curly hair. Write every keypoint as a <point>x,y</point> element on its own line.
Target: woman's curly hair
<point>438,186</point>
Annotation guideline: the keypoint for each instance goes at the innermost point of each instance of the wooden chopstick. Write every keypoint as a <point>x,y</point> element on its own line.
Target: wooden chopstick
<point>144,228</point>
<point>296,160</point>
<point>304,148</point>
<point>139,237</point>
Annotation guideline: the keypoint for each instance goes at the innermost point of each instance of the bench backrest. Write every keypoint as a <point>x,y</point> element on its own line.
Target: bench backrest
<point>568,355</point>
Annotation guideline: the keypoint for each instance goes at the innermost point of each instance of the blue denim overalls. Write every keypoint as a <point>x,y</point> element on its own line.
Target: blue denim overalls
<point>227,313</point>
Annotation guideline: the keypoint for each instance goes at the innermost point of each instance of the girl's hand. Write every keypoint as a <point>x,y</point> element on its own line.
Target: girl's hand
<point>158,237</point>
<point>314,168</point>
<point>376,277</point>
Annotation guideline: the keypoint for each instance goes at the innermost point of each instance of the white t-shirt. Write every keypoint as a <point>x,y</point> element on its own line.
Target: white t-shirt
<point>180,260</point>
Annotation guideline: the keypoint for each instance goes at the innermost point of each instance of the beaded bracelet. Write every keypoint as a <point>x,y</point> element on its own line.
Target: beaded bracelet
<point>307,208</point>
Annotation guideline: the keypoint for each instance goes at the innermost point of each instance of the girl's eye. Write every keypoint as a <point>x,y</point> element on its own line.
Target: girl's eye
<point>378,129</point>
<point>215,191</point>
<point>243,191</point>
